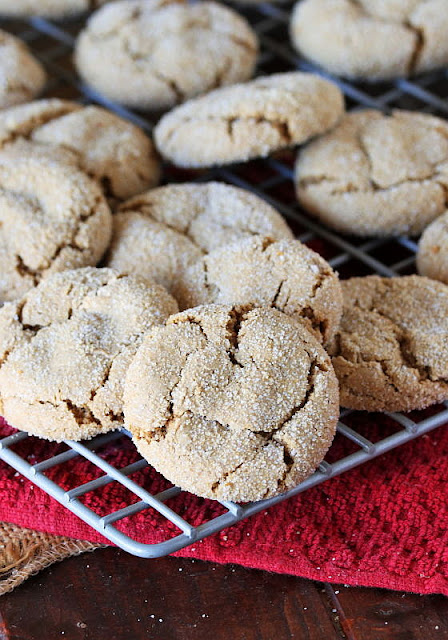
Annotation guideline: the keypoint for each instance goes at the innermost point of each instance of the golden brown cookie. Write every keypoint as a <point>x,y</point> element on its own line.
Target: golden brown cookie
<point>52,217</point>
<point>65,348</point>
<point>432,254</point>
<point>374,39</point>
<point>153,54</point>
<point>391,351</point>
<point>159,233</point>
<point>377,174</point>
<point>232,403</point>
<point>22,77</point>
<point>47,8</point>
<point>114,151</point>
<point>285,275</point>
<point>248,120</point>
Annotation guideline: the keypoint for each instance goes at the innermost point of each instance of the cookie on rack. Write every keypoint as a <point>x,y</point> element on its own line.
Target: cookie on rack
<point>113,150</point>
<point>432,254</point>
<point>52,217</point>
<point>377,174</point>
<point>47,8</point>
<point>372,39</point>
<point>285,275</point>
<point>159,233</point>
<point>22,76</point>
<point>65,348</point>
<point>249,120</point>
<point>153,54</point>
<point>232,403</point>
<point>391,351</point>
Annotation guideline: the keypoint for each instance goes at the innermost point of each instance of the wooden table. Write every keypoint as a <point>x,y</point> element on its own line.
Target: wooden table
<point>110,595</point>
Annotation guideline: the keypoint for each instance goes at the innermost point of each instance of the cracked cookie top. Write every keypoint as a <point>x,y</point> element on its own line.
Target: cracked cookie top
<point>52,217</point>
<point>47,8</point>
<point>376,39</point>
<point>391,351</point>
<point>232,403</point>
<point>153,54</point>
<point>22,77</point>
<point>65,348</point>
<point>432,254</point>
<point>110,149</point>
<point>249,120</point>
<point>159,233</point>
<point>285,275</point>
<point>377,174</point>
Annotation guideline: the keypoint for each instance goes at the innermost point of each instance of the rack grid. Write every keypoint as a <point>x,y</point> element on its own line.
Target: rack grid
<point>271,179</point>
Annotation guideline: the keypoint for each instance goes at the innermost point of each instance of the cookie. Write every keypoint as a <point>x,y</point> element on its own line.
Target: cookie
<point>249,120</point>
<point>432,254</point>
<point>52,217</point>
<point>112,150</point>
<point>231,403</point>
<point>377,174</point>
<point>47,8</point>
<point>22,77</point>
<point>159,233</point>
<point>391,351</point>
<point>285,275</point>
<point>372,39</point>
<point>65,348</point>
<point>153,54</point>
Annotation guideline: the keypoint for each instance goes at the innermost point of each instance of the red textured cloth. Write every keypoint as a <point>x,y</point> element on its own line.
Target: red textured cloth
<point>384,524</point>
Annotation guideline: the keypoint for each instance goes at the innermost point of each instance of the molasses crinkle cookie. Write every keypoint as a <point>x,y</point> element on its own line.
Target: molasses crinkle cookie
<point>112,150</point>
<point>391,350</point>
<point>159,233</point>
<point>232,403</point>
<point>285,275</point>
<point>22,77</point>
<point>65,348</point>
<point>432,254</point>
<point>53,217</point>
<point>372,38</point>
<point>377,174</point>
<point>153,54</point>
<point>47,8</point>
<point>249,120</point>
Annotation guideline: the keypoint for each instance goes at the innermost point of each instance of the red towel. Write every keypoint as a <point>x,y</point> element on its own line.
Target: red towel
<point>384,524</point>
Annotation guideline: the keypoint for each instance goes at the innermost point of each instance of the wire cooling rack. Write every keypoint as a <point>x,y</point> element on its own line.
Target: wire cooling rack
<point>271,179</point>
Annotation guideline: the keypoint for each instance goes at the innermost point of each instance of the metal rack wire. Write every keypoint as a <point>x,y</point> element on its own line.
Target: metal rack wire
<point>271,179</point>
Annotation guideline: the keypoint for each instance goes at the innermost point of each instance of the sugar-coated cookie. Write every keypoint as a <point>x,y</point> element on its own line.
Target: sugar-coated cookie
<point>113,150</point>
<point>52,217</point>
<point>65,348</point>
<point>159,233</point>
<point>249,120</point>
<point>232,403</point>
<point>286,275</point>
<point>153,54</point>
<point>432,254</point>
<point>47,8</point>
<point>391,351</point>
<point>22,77</point>
<point>374,39</point>
<point>377,174</point>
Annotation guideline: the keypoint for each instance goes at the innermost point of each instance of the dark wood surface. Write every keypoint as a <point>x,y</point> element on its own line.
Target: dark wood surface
<point>109,595</point>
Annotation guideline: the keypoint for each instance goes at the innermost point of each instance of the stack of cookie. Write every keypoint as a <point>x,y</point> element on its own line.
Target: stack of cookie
<point>188,312</point>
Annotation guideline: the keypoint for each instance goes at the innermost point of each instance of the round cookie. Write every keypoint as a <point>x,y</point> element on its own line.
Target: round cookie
<point>22,77</point>
<point>52,217</point>
<point>232,403</point>
<point>375,39</point>
<point>285,275</point>
<point>159,233</point>
<point>391,350</point>
<point>377,174</point>
<point>65,348</point>
<point>112,150</point>
<point>432,254</point>
<point>153,54</point>
<point>47,8</point>
<point>249,120</point>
